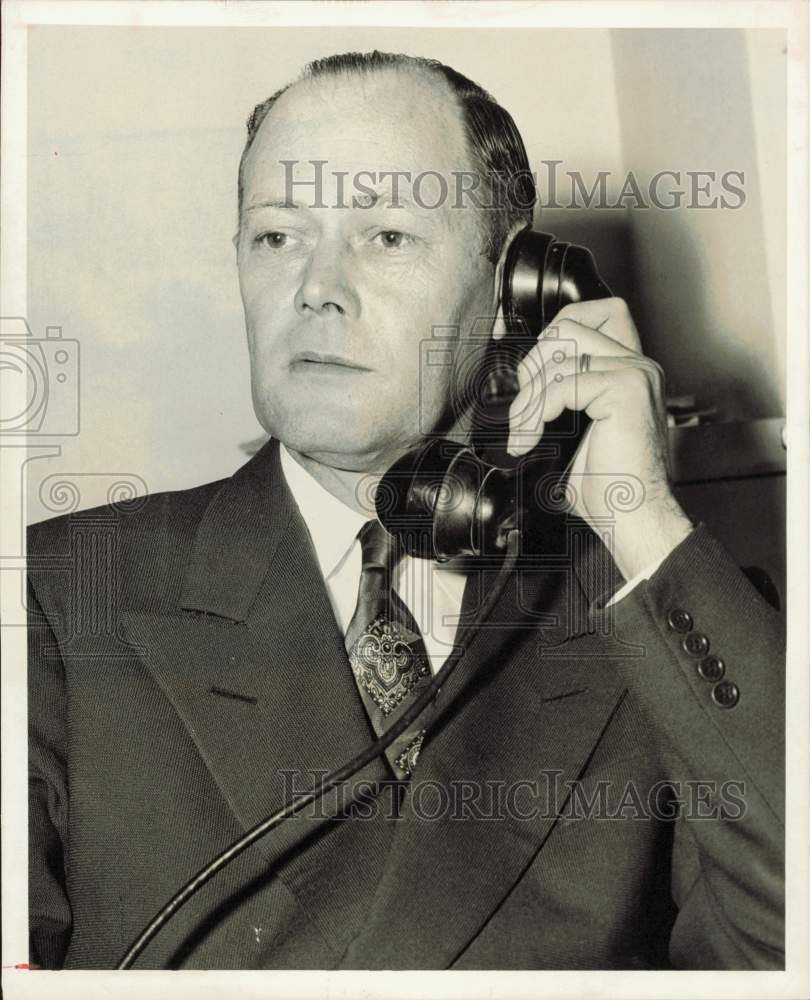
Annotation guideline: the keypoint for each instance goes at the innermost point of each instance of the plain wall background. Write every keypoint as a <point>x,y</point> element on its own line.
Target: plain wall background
<point>134,141</point>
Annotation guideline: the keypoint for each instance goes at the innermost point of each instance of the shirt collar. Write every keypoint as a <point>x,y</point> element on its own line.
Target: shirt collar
<point>332,525</point>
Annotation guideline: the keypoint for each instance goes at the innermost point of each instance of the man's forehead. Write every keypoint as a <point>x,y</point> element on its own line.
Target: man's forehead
<point>391,119</point>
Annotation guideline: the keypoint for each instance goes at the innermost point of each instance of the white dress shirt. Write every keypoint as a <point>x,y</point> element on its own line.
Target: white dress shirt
<point>432,591</point>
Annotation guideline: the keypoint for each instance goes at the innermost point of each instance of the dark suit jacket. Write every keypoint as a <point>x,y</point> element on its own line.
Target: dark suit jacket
<point>187,676</point>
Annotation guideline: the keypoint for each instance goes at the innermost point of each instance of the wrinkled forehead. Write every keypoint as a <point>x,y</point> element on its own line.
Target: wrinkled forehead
<point>391,121</point>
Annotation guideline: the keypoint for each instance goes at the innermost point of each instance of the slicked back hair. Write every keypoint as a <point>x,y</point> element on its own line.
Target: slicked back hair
<point>495,145</point>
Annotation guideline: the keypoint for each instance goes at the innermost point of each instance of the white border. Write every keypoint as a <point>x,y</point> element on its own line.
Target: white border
<point>13,302</point>
<point>17,15</point>
<point>411,13</point>
<point>797,860</point>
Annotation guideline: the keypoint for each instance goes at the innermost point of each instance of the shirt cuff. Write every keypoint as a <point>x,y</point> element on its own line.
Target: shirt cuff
<point>632,583</point>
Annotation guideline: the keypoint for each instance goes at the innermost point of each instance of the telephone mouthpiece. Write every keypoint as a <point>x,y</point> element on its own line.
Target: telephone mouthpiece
<point>442,501</point>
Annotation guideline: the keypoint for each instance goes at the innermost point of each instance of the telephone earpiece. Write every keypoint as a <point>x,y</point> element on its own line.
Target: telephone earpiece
<point>445,499</point>
<point>543,274</point>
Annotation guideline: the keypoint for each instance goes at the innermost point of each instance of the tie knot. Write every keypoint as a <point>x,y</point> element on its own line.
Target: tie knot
<point>379,548</point>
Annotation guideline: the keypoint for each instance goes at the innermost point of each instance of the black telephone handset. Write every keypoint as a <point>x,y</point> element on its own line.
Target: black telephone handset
<point>446,499</point>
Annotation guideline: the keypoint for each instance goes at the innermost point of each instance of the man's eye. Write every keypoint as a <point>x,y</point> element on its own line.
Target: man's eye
<point>272,241</point>
<point>391,238</point>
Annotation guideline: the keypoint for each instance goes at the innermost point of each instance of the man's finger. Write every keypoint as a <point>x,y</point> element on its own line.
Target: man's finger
<point>566,339</point>
<point>609,316</point>
<point>533,408</point>
<point>534,393</point>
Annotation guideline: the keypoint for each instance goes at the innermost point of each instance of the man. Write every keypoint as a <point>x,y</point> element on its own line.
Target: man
<point>597,790</point>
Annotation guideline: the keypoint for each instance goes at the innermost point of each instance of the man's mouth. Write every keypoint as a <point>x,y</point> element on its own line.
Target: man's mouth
<point>315,359</point>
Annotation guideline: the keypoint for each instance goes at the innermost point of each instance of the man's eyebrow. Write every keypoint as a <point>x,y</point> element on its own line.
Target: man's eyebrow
<point>274,203</point>
<point>359,199</point>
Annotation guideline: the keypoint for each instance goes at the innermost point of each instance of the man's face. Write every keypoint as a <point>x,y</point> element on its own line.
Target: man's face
<point>337,299</point>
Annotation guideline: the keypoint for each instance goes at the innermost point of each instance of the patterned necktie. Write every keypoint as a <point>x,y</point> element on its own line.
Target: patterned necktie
<point>386,650</point>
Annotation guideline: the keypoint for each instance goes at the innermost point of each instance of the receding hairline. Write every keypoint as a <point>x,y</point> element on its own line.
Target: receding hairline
<point>444,97</point>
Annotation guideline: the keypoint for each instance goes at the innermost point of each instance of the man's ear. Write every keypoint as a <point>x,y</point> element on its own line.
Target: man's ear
<point>499,326</point>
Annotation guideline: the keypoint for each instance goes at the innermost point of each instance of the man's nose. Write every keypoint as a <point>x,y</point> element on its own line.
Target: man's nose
<point>325,283</point>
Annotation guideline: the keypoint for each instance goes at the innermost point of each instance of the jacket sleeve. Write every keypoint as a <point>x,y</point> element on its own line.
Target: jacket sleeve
<point>49,909</point>
<point>711,682</point>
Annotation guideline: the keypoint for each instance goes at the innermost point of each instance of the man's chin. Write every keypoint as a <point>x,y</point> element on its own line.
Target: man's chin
<point>338,448</point>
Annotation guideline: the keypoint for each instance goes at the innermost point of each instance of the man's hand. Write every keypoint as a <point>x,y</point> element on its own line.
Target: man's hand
<point>619,476</point>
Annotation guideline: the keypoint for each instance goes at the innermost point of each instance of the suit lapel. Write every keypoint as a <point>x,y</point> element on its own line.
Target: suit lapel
<point>254,663</point>
<point>518,719</point>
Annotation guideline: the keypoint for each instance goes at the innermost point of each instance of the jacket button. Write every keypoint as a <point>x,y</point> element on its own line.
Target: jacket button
<point>711,669</point>
<point>696,644</point>
<point>726,694</point>
<point>679,620</point>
